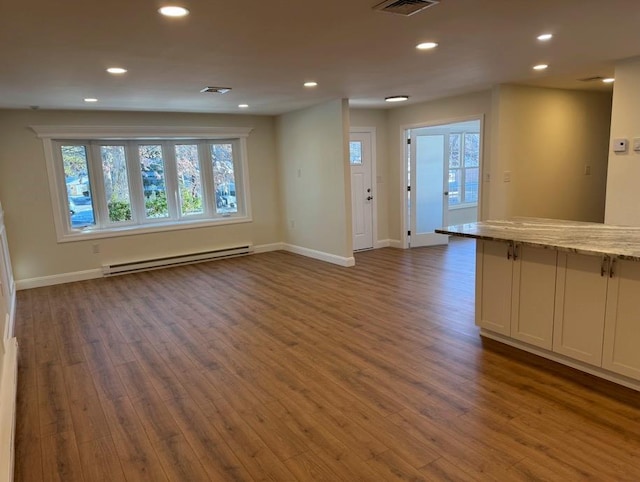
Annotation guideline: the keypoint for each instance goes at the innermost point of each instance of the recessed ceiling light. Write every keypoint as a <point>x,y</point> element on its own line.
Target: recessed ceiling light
<point>173,11</point>
<point>311,84</point>
<point>90,99</point>
<point>608,80</point>
<point>427,46</point>
<point>243,106</point>
<point>545,36</point>
<point>116,70</point>
<point>540,67</point>
<point>397,98</point>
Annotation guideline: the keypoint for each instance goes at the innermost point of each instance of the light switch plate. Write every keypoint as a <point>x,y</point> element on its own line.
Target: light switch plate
<point>620,145</point>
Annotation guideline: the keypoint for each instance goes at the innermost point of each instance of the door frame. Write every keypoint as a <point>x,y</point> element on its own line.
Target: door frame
<point>404,152</point>
<point>374,180</point>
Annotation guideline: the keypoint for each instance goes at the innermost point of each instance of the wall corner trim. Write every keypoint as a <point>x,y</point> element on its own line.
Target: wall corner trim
<point>266,248</point>
<point>8,393</point>
<point>57,279</point>
<point>320,255</point>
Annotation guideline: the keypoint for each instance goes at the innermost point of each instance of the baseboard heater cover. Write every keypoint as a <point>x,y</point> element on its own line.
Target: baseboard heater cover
<point>156,263</point>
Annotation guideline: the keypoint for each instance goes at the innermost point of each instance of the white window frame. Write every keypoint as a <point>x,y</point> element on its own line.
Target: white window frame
<point>463,174</point>
<point>111,135</point>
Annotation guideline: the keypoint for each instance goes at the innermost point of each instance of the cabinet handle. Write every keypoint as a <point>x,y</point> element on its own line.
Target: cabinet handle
<point>515,251</point>
<point>509,251</point>
<point>603,269</point>
<point>611,267</point>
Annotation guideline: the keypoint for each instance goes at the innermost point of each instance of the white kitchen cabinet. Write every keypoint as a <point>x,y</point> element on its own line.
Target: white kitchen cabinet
<point>494,279</point>
<point>533,292</point>
<point>621,347</point>
<point>516,290</point>
<point>581,295</point>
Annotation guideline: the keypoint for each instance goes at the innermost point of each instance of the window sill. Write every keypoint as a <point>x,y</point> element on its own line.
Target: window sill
<point>82,235</point>
<point>463,206</point>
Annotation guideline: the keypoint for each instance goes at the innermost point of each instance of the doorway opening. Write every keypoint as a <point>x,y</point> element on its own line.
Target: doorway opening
<point>443,179</point>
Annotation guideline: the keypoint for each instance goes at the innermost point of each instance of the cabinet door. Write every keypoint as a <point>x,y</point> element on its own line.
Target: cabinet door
<point>534,291</point>
<point>494,272</point>
<point>581,293</point>
<point>621,349</point>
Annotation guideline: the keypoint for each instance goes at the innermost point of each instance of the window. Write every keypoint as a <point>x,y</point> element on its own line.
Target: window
<point>355,153</point>
<point>126,186</point>
<point>464,168</point>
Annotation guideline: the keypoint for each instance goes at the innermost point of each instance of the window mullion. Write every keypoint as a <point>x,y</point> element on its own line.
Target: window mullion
<point>96,182</point>
<point>136,193</point>
<point>171,179</point>
<point>208,187</point>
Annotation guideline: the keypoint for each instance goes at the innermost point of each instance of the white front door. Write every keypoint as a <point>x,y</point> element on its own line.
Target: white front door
<point>362,192</point>
<point>428,197</point>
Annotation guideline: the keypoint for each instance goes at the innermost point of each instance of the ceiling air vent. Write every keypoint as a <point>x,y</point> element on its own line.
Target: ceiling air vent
<point>216,90</point>
<point>405,7</point>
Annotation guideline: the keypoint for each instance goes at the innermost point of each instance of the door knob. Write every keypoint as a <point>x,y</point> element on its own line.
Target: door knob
<point>369,198</point>
<point>446,193</point>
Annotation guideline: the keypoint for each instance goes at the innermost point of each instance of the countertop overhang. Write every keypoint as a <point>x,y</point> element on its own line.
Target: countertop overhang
<point>572,236</point>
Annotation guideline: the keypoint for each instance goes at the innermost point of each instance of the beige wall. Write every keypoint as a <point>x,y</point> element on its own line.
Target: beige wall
<point>314,178</point>
<point>24,191</point>
<point>431,113</point>
<point>623,180</point>
<point>546,138</point>
<point>377,118</point>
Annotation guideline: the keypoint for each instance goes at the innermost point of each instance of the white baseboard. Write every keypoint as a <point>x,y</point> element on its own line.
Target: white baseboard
<point>321,255</point>
<point>388,243</point>
<point>8,391</point>
<point>570,362</point>
<point>29,283</point>
<point>57,279</point>
<point>266,248</point>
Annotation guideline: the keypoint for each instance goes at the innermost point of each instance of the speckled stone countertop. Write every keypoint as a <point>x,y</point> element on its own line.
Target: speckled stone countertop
<point>573,236</point>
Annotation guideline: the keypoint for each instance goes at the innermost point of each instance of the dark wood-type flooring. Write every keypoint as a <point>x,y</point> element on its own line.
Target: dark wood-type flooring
<point>278,367</point>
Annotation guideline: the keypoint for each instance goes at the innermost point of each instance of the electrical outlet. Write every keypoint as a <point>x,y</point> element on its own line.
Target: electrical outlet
<point>95,248</point>
<point>487,177</point>
<point>507,176</point>
<point>587,170</point>
<point>636,144</point>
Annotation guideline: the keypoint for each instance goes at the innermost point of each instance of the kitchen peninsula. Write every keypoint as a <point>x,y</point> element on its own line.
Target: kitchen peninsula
<point>565,290</point>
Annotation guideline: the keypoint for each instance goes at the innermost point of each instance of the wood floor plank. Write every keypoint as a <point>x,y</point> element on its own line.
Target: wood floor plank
<point>281,367</point>
<point>100,461</point>
<point>136,454</point>
<point>86,411</point>
<point>217,457</point>
<point>28,446</point>
<point>54,410</point>
<point>60,458</point>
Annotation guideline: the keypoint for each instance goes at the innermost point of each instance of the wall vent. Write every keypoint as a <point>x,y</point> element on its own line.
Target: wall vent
<point>156,263</point>
<point>216,90</point>
<point>405,7</point>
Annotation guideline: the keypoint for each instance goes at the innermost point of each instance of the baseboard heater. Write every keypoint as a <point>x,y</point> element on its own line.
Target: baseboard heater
<point>157,263</point>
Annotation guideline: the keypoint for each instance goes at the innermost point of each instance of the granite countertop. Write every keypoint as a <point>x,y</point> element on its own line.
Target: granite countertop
<point>573,236</point>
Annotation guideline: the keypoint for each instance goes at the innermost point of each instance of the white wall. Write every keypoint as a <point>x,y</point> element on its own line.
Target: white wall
<point>545,138</point>
<point>28,213</point>
<point>314,178</point>
<point>623,179</point>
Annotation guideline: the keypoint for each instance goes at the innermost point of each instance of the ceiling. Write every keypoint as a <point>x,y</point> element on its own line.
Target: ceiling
<point>54,53</point>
